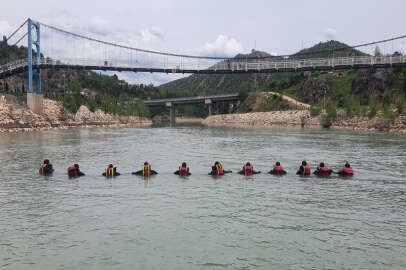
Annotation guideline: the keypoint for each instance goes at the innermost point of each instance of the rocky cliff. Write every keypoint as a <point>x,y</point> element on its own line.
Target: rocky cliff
<point>17,118</point>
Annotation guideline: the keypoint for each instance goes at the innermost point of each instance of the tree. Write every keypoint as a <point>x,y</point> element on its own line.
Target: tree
<point>141,109</point>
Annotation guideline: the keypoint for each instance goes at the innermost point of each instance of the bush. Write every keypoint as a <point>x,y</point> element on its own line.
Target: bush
<point>400,106</point>
<point>373,106</point>
<point>389,114</point>
<point>141,109</point>
<point>315,110</point>
<point>331,111</point>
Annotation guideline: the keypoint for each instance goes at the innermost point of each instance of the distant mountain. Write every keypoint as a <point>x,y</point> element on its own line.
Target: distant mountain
<point>200,84</point>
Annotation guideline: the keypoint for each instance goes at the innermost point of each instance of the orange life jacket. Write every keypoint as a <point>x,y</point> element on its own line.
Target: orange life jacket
<point>248,170</point>
<point>42,169</point>
<point>348,170</point>
<point>183,171</point>
<point>109,172</point>
<point>146,170</point>
<point>219,169</point>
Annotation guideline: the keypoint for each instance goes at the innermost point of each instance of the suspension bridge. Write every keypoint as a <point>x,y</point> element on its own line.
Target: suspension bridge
<point>56,48</point>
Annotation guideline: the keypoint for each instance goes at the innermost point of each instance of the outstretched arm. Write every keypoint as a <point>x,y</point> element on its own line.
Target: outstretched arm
<point>177,172</point>
<point>137,172</point>
<point>153,172</point>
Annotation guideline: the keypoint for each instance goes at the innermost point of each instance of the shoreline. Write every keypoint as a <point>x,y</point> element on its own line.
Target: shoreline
<point>19,119</point>
<point>302,119</point>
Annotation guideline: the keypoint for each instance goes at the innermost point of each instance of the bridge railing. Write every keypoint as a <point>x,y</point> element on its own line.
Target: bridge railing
<point>225,65</point>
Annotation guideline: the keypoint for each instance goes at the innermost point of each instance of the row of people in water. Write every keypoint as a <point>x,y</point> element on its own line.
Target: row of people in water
<point>217,169</point>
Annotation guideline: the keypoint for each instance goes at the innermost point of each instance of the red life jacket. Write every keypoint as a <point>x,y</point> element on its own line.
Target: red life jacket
<point>324,170</point>
<point>72,171</point>
<point>219,169</point>
<point>278,169</point>
<point>306,170</point>
<point>183,171</point>
<point>248,170</point>
<point>348,170</point>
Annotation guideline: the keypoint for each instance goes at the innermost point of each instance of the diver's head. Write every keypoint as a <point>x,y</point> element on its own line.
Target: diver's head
<point>184,164</point>
<point>216,163</point>
<point>110,165</point>
<point>76,166</point>
<point>46,161</point>
<point>304,163</point>
<point>347,165</point>
<point>321,164</point>
<point>248,164</point>
<point>278,163</point>
<point>145,163</point>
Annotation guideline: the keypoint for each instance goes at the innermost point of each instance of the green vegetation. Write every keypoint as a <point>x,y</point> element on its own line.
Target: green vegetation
<point>273,103</point>
<point>315,110</point>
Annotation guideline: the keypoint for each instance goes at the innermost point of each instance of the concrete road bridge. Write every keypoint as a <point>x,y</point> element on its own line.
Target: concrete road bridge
<point>171,103</point>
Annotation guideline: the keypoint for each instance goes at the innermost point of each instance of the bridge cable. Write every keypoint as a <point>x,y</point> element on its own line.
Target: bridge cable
<point>219,57</point>
<point>10,36</point>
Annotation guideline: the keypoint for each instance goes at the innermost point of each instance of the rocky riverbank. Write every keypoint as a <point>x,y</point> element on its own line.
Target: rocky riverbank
<point>17,118</point>
<point>302,118</point>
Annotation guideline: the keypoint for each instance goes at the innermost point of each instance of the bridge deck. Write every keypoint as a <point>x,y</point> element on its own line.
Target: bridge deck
<point>191,100</point>
<point>222,67</point>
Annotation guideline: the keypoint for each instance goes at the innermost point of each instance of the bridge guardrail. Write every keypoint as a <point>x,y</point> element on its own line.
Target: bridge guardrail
<point>225,65</point>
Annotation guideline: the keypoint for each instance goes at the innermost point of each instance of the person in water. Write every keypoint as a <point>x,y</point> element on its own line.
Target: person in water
<point>323,170</point>
<point>145,170</point>
<point>217,169</point>
<point>248,169</point>
<point>277,169</point>
<point>74,171</point>
<point>183,170</point>
<point>304,169</point>
<point>46,168</point>
<point>346,170</point>
<point>111,171</point>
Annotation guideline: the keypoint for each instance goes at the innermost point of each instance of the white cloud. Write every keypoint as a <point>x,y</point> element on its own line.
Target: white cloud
<point>222,46</point>
<point>330,34</point>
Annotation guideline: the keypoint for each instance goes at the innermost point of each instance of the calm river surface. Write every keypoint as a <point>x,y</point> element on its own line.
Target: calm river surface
<point>201,222</point>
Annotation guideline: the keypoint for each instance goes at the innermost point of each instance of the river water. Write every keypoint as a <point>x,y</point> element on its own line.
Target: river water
<point>202,222</point>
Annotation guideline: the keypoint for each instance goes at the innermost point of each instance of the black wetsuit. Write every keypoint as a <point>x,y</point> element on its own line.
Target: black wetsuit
<point>320,173</point>
<point>277,172</point>
<point>75,174</point>
<point>140,172</point>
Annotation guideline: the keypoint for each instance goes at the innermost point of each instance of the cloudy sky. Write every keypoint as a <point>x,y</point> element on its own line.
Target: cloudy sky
<point>214,27</point>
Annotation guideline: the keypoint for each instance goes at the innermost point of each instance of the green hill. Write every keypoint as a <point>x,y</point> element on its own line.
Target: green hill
<point>200,84</point>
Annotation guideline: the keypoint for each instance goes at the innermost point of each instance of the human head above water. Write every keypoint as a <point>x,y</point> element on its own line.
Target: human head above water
<point>347,165</point>
<point>304,163</point>
<point>321,164</point>
<point>184,164</point>
<point>278,163</point>
<point>248,164</point>
<point>145,163</point>
<point>76,166</point>
<point>46,161</point>
<point>110,165</point>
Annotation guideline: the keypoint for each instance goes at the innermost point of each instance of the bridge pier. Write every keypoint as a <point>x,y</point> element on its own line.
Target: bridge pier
<point>209,103</point>
<point>35,102</point>
<point>172,116</point>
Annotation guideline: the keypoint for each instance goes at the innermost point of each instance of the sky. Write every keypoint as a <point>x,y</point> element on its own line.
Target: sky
<point>214,28</point>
